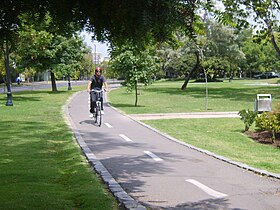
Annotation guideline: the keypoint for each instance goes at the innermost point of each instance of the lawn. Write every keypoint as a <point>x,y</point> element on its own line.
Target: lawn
<point>222,136</point>
<point>41,165</point>
<point>166,97</point>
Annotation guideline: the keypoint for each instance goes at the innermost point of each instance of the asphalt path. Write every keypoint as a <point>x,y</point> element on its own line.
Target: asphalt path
<point>41,85</point>
<point>160,173</point>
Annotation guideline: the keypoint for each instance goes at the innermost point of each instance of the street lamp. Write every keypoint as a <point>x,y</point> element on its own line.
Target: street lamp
<point>95,56</point>
<point>8,77</point>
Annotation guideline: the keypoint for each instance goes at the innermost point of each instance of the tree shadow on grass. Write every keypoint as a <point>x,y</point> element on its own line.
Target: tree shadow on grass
<point>33,92</point>
<point>19,98</point>
<point>32,146</point>
<point>23,95</point>
<point>235,94</point>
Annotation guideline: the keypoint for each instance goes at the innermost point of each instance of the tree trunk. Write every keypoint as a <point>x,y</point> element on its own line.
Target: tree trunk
<point>230,73</point>
<point>272,37</point>
<point>188,76</point>
<point>8,76</point>
<point>136,94</point>
<point>54,89</point>
<point>69,83</point>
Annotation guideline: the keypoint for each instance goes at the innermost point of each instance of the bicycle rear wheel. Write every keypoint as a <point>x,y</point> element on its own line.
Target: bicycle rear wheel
<point>98,116</point>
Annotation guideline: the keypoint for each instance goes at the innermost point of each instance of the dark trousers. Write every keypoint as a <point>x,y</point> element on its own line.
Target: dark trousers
<point>93,99</point>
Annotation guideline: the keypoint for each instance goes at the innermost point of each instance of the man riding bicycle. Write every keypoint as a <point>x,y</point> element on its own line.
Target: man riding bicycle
<point>96,83</point>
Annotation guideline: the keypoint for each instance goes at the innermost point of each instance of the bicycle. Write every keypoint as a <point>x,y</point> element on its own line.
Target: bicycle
<point>98,115</point>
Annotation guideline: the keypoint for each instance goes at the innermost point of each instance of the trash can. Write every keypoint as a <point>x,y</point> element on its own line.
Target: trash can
<point>263,103</point>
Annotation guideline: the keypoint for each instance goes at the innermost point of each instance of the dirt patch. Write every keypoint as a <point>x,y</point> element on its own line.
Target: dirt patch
<point>264,137</point>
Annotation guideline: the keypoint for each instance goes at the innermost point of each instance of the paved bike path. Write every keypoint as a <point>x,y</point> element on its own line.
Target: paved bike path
<point>162,174</point>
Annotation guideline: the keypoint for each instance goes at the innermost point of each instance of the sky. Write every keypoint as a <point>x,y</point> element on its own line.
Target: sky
<point>100,47</point>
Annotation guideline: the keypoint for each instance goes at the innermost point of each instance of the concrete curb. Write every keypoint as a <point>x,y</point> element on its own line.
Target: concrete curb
<point>241,165</point>
<point>124,199</point>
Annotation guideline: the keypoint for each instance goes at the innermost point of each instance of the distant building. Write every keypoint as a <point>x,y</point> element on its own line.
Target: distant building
<point>97,57</point>
<point>106,58</point>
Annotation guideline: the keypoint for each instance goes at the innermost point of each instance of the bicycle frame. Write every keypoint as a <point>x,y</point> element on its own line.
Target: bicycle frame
<point>98,116</point>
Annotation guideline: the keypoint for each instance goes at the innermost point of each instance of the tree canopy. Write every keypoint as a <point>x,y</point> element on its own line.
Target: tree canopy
<point>115,21</point>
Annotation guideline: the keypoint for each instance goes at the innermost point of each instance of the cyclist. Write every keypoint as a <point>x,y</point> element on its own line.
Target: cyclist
<point>96,82</point>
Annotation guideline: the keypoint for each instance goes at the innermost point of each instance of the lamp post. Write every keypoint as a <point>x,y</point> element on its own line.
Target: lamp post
<point>94,56</point>
<point>8,77</point>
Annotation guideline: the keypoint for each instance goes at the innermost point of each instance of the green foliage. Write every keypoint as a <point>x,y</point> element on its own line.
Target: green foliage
<point>137,65</point>
<point>265,15</point>
<point>248,117</point>
<point>35,48</point>
<point>269,121</point>
<point>41,48</point>
<point>69,54</point>
<point>118,21</point>
<point>87,65</point>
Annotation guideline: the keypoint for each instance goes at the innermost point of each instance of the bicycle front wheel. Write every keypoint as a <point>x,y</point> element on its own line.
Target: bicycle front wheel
<point>98,116</point>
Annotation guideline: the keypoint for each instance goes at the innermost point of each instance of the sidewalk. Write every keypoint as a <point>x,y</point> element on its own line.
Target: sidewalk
<point>185,115</point>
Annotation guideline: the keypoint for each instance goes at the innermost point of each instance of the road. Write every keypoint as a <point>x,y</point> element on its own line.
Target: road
<point>160,173</point>
<point>41,85</point>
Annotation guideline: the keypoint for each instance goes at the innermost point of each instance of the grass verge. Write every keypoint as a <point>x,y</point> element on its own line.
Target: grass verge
<point>41,166</point>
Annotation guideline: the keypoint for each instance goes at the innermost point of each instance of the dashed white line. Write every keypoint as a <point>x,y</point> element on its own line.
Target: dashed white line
<point>125,137</point>
<point>206,189</point>
<point>108,125</point>
<point>152,155</point>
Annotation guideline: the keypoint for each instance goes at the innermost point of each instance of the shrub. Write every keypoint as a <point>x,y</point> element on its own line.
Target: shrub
<point>248,117</point>
<point>269,121</point>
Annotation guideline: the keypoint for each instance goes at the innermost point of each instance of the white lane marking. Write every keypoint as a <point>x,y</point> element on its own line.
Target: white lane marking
<point>108,125</point>
<point>206,189</point>
<point>152,155</point>
<point>125,137</point>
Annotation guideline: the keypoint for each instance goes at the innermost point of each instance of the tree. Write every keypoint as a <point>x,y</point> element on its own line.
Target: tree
<point>136,65</point>
<point>264,13</point>
<point>41,49</point>
<point>87,66</point>
<point>180,57</point>
<point>36,47</point>
<point>10,23</point>
<point>69,54</point>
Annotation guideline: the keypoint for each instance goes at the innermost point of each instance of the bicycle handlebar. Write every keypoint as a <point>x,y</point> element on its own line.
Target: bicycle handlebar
<point>98,91</point>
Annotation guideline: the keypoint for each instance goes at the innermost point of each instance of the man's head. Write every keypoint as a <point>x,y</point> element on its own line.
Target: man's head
<point>98,71</point>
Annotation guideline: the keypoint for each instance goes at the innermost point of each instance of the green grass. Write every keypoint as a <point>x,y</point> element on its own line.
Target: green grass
<point>221,136</point>
<point>166,97</point>
<point>41,165</point>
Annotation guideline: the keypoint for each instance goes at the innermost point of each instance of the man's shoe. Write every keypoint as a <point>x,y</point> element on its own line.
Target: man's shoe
<point>91,115</point>
<point>102,112</point>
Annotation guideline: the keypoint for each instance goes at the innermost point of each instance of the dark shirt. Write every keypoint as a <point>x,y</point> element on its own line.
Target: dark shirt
<point>97,82</point>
